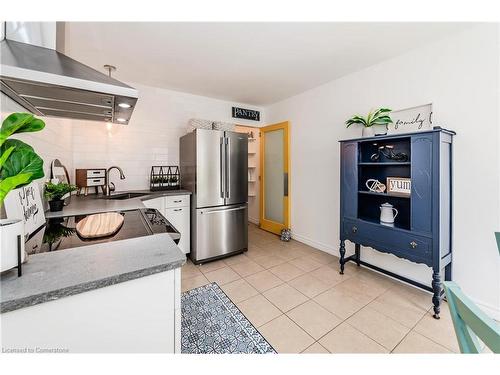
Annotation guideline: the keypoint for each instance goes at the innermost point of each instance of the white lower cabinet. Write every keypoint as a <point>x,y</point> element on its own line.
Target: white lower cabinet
<point>136,316</point>
<point>179,218</point>
<point>176,209</point>
<point>157,203</point>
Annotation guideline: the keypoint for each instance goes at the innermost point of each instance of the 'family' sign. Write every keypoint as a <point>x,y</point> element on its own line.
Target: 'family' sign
<point>412,119</point>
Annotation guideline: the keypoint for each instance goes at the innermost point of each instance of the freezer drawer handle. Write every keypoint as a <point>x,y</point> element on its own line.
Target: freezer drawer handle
<point>223,210</point>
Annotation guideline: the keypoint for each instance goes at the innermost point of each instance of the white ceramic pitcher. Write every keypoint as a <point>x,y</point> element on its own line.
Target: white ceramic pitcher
<point>387,214</point>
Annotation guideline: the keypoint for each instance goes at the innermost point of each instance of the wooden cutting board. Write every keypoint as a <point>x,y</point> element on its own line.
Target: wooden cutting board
<point>99,225</point>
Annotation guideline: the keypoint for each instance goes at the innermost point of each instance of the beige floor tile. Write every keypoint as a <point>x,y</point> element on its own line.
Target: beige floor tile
<point>286,271</point>
<point>264,280</point>
<point>315,348</point>
<point>346,339</point>
<point>239,290</point>
<point>398,307</point>
<point>261,240</point>
<point>247,268</point>
<point>364,286</point>
<point>212,266</point>
<point>342,303</point>
<point>290,253</point>
<point>418,297</point>
<point>268,261</point>
<point>285,297</point>
<point>256,253</point>
<point>235,259</point>
<point>377,326</point>
<point>285,336</point>
<point>329,276</point>
<point>193,282</point>
<point>305,263</point>
<point>190,271</point>
<point>416,343</point>
<point>441,330</point>
<point>309,285</point>
<point>222,275</point>
<point>258,310</point>
<point>324,258</point>
<point>314,319</point>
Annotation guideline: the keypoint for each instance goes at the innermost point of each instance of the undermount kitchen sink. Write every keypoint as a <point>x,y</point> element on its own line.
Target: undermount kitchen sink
<point>124,196</point>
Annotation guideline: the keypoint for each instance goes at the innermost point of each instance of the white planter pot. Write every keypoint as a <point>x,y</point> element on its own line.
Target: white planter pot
<point>9,230</point>
<point>368,132</point>
<point>374,130</point>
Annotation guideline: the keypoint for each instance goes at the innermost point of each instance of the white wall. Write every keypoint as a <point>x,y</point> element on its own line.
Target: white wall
<point>151,138</point>
<point>460,75</point>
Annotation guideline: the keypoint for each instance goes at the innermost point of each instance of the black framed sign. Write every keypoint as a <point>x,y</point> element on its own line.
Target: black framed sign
<point>246,114</point>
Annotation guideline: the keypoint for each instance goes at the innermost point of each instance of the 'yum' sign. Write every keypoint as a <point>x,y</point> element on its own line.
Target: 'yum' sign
<point>398,186</point>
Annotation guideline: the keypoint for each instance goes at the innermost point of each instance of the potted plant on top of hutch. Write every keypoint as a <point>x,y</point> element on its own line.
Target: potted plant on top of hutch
<point>373,120</point>
<point>413,223</point>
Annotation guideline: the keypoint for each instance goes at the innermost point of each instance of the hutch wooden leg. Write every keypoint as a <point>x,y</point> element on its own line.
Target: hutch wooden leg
<point>437,289</point>
<point>357,252</point>
<point>342,254</point>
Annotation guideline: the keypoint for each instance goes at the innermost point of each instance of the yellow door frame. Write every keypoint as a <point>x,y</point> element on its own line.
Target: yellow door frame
<point>266,224</point>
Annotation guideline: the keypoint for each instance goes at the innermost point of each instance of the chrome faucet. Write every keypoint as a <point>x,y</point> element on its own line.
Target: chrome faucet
<point>110,187</point>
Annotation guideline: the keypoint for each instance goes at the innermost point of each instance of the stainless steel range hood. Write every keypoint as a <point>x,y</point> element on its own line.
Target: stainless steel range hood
<point>49,83</point>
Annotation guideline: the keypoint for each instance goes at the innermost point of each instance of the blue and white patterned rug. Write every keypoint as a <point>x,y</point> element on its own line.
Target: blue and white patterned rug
<point>212,324</point>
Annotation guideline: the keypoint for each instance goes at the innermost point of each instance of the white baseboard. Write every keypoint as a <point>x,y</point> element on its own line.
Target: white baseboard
<point>316,244</point>
<point>253,220</point>
<point>492,311</point>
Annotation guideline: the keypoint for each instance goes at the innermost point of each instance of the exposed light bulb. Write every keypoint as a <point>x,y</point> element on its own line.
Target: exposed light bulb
<point>124,105</point>
<point>120,119</point>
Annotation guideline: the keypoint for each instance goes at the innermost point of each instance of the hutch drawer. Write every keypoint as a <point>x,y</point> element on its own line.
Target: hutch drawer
<point>404,244</point>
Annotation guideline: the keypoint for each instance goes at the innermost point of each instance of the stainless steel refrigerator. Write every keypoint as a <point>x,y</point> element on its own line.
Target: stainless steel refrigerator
<point>214,167</point>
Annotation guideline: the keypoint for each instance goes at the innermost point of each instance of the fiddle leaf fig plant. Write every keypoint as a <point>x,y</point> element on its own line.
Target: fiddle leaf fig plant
<point>378,117</point>
<point>19,163</point>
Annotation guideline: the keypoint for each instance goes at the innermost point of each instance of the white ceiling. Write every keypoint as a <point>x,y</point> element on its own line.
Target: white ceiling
<point>253,63</point>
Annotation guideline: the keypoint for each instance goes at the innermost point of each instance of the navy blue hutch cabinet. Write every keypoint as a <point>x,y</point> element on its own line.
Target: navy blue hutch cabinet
<point>422,228</point>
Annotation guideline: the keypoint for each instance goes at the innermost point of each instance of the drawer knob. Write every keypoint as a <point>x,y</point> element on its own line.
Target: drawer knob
<point>413,244</point>
<point>354,229</point>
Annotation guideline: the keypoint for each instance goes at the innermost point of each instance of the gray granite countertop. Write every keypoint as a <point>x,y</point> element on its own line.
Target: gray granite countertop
<point>91,204</point>
<point>54,275</point>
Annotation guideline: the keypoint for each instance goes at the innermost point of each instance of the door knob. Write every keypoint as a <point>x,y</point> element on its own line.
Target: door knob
<point>354,229</point>
<point>413,244</point>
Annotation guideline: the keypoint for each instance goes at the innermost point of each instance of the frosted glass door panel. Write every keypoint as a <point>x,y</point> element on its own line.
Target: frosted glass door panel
<point>273,169</point>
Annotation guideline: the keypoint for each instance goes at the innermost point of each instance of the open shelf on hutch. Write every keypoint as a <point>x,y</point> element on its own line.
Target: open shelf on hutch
<point>369,202</point>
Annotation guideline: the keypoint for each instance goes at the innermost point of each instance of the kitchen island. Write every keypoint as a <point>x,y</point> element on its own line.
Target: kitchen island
<point>118,296</point>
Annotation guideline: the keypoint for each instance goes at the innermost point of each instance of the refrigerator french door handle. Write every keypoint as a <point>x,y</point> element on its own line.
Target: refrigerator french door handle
<point>228,167</point>
<point>222,168</point>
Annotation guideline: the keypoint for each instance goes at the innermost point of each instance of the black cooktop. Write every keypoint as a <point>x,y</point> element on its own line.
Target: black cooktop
<point>60,233</point>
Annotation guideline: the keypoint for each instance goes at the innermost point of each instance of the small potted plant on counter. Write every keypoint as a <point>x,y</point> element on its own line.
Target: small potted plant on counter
<point>55,194</point>
<point>380,117</point>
